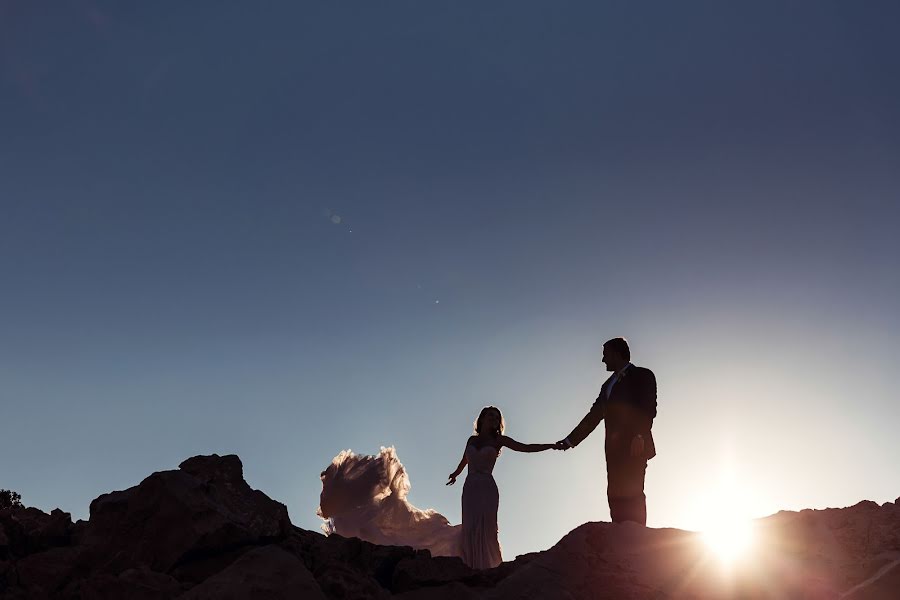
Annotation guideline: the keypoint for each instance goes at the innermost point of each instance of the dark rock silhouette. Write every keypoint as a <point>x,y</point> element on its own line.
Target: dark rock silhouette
<point>202,532</point>
<point>174,517</point>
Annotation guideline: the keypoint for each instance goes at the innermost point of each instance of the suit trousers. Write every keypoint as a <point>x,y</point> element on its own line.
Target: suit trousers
<point>625,489</point>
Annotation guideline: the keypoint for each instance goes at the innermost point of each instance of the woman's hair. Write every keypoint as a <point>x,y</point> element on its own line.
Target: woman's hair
<point>478,421</point>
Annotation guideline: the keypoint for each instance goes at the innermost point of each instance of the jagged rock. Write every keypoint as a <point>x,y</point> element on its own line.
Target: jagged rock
<point>201,567</point>
<point>342,582</point>
<point>489,578</point>
<point>46,573</point>
<point>268,572</point>
<point>4,543</point>
<point>135,584</point>
<point>842,548</point>
<point>57,529</point>
<point>352,568</point>
<point>885,588</point>
<point>6,573</point>
<point>204,508</point>
<point>378,562</point>
<point>424,571</point>
<point>452,591</point>
<point>202,532</point>
<point>30,530</point>
<point>603,560</point>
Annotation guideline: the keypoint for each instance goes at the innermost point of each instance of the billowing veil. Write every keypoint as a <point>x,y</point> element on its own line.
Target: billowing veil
<point>365,496</point>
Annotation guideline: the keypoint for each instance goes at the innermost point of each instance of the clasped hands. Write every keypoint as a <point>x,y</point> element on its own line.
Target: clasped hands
<point>637,446</point>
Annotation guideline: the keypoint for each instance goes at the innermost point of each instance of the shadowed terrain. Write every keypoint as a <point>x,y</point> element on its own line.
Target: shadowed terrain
<point>201,532</point>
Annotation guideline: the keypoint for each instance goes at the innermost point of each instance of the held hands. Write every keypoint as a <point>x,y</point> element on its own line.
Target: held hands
<point>561,445</point>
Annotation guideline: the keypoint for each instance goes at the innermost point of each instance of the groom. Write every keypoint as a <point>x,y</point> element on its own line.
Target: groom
<point>627,402</point>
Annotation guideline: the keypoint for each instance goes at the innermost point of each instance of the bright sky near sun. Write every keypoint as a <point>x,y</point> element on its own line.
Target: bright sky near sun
<point>287,230</point>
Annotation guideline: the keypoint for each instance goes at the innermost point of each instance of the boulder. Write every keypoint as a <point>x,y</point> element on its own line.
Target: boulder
<point>452,591</point>
<point>603,560</point>
<point>6,576</point>
<point>841,549</point>
<point>883,587</point>
<point>201,567</point>
<point>203,508</point>
<point>424,571</point>
<point>46,573</point>
<point>339,581</point>
<point>268,572</point>
<point>28,530</point>
<point>135,584</point>
<point>350,567</point>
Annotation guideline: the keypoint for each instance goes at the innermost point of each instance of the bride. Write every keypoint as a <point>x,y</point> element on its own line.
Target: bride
<point>366,497</point>
<point>479,545</point>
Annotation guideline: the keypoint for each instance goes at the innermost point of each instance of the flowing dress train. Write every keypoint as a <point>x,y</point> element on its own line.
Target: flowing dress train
<point>365,496</point>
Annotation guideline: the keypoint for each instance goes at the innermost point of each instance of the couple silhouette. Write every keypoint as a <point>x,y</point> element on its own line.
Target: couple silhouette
<point>626,403</point>
<point>366,496</point>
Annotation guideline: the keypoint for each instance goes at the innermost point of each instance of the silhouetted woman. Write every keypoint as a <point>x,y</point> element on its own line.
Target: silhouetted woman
<point>480,547</point>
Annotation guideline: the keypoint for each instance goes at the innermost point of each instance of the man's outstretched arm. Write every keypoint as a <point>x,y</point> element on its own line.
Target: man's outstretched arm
<point>584,429</point>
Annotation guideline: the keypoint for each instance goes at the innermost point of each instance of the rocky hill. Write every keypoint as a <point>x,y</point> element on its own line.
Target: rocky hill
<point>202,532</point>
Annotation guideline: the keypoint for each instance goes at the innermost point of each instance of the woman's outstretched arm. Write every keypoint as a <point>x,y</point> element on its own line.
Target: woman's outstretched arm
<point>459,469</point>
<point>520,447</point>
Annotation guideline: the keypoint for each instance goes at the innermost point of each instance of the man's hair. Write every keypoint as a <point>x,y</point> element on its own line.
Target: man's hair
<point>619,345</point>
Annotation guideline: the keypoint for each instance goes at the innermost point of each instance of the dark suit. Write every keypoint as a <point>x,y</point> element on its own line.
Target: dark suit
<point>628,411</point>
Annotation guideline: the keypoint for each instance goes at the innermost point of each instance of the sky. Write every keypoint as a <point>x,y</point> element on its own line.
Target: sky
<point>292,228</point>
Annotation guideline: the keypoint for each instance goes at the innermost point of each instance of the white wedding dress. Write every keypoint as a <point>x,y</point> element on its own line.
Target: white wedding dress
<point>365,497</point>
<point>480,545</point>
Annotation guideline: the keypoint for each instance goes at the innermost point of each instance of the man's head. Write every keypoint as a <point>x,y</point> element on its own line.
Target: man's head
<point>616,354</point>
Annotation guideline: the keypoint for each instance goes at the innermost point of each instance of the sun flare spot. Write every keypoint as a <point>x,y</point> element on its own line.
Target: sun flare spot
<point>725,521</point>
<point>729,538</point>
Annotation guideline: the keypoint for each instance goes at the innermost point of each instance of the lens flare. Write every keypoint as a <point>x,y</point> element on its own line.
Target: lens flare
<point>729,538</point>
<point>725,520</point>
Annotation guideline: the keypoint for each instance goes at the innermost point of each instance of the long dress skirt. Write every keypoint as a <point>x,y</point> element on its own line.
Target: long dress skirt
<point>480,502</point>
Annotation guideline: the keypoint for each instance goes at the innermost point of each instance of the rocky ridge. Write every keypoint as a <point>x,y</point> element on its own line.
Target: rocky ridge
<point>201,532</point>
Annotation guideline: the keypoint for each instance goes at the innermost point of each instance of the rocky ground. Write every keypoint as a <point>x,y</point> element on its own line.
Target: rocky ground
<point>202,532</point>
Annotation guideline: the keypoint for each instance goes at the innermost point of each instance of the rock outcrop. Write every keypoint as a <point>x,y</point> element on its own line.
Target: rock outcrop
<point>175,518</point>
<point>201,532</point>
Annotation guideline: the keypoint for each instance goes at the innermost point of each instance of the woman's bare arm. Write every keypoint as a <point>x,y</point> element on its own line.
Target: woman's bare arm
<point>462,465</point>
<point>520,447</point>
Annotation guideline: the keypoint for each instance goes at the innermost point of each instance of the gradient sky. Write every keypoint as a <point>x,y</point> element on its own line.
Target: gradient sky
<point>285,229</point>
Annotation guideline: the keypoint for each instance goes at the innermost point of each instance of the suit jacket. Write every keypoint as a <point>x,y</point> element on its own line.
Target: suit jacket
<point>629,411</point>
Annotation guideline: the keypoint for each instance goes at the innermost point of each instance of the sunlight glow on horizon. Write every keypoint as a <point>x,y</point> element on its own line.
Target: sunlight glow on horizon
<point>725,518</point>
<point>729,538</point>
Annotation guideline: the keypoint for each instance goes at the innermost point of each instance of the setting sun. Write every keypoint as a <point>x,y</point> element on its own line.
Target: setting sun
<point>729,538</point>
<point>725,519</point>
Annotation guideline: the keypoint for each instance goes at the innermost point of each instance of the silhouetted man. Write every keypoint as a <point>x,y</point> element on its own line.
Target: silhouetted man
<point>627,402</point>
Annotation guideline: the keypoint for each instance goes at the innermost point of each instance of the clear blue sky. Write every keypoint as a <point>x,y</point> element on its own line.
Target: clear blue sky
<point>285,229</point>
